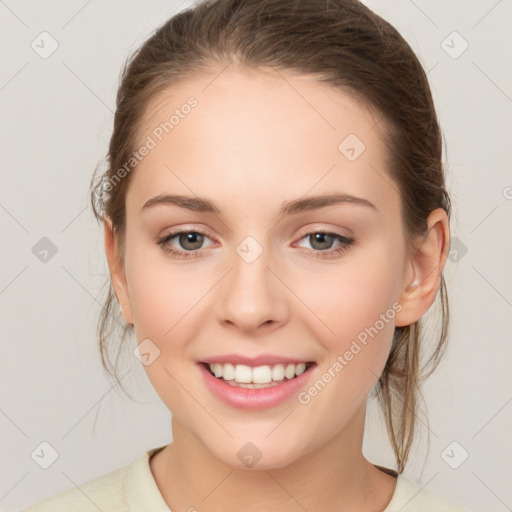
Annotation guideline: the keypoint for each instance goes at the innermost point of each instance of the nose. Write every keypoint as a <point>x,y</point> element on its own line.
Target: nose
<point>252,297</point>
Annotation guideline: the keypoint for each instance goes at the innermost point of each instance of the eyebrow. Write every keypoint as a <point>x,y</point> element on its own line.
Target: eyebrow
<point>293,207</point>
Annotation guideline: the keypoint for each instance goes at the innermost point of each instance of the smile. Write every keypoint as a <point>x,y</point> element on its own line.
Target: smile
<point>244,392</point>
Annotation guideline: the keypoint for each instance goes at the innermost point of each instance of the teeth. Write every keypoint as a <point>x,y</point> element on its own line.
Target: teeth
<point>244,374</point>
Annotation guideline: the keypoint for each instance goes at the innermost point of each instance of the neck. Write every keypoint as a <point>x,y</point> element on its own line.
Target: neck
<point>335,476</point>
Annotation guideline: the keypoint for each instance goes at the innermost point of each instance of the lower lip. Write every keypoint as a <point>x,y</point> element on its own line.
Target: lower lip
<point>254,399</point>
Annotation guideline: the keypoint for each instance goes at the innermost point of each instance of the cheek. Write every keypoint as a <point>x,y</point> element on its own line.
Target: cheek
<point>164,299</point>
<point>354,310</point>
<point>353,296</point>
<point>163,295</point>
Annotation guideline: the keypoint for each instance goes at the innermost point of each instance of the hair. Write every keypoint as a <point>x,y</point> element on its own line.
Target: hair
<point>341,43</point>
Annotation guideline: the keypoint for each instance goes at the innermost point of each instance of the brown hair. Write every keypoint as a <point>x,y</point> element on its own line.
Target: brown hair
<point>344,44</point>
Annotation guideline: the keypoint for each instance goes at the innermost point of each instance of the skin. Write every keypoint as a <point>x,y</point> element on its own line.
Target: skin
<point>253,142</point>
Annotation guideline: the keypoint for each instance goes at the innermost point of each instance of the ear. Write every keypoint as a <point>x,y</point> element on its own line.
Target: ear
<point>424,271</point>
<point>117,271</point>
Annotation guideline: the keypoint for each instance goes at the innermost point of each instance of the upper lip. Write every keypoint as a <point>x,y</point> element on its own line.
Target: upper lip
<point>261,360</point>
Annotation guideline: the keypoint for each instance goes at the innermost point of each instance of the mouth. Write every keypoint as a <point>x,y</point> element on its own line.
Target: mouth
<point>256,377</point>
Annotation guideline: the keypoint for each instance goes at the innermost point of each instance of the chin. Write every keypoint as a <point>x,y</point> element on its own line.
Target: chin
<point>257,455</point>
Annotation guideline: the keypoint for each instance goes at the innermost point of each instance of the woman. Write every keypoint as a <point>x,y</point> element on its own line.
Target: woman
<point>276,225</point>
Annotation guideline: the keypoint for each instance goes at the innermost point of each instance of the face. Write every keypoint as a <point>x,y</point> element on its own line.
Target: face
<point>255,275</point>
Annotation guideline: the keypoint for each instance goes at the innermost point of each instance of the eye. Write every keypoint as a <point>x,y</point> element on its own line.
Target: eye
<point>191,241</point>
<point>322,242</point>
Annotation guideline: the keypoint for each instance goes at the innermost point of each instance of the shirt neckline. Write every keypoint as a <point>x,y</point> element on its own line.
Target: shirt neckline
<point>142,490</point>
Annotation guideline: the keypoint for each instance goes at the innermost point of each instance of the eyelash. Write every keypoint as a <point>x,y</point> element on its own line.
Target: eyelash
<point>163,242</point>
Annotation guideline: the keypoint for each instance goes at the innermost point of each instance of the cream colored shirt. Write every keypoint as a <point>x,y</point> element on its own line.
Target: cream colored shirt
<point>132,488</point>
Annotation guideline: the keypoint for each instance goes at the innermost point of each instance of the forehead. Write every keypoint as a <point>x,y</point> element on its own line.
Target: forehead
<point>260,135</point>
<point>261,95</point>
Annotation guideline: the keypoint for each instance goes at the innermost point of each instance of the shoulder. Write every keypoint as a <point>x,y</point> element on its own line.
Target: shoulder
<point>122,490</point>
<point>100,493</point>
<point>410,497</point>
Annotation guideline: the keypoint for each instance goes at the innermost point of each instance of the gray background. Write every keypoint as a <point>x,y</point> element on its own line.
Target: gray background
<point>56,116</point>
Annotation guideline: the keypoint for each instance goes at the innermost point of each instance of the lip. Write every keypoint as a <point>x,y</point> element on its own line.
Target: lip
<point>254,399</point>
<point>261,360</point>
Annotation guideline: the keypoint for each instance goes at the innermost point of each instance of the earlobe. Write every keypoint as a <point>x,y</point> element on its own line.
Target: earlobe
<point>117,271</point>
<point>426,264</point>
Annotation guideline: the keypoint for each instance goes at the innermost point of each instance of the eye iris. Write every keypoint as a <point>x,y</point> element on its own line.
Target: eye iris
<point>320,237</point>
<point>192,238</point>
